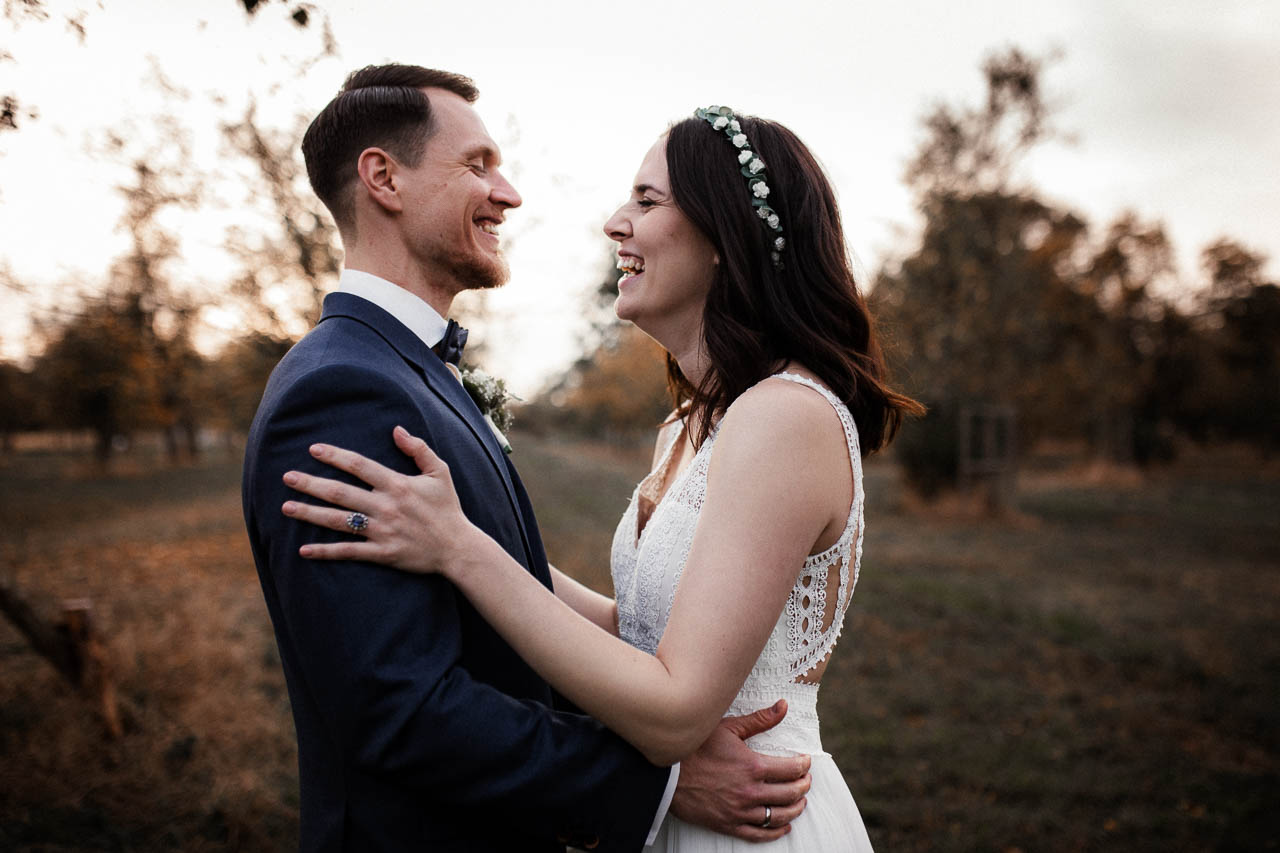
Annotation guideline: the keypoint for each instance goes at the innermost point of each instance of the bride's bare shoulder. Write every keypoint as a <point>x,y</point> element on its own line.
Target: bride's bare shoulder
<point>782,414</point>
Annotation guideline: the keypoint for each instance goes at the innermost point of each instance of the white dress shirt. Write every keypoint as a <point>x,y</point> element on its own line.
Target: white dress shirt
<point>423,320</point>
<point>412,310</point>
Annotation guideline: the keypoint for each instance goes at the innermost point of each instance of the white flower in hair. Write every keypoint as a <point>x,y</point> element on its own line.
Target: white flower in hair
<point>754,170</point>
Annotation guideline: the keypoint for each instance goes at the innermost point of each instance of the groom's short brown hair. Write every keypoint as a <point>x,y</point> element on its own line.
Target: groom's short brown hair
<point>378,106</point>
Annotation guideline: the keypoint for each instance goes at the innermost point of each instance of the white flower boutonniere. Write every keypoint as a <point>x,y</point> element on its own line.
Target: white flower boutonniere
<point>491,396</point>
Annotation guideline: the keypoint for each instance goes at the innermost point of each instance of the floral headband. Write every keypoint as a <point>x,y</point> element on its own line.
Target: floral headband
<point>723,119</point>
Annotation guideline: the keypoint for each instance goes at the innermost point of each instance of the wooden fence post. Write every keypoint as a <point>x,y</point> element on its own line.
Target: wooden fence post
<point>72,646</point>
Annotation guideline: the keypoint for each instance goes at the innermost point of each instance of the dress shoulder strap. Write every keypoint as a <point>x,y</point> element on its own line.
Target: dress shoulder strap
<point>813,644</point>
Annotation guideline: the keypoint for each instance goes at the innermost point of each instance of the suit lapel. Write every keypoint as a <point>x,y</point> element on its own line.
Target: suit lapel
<point>438,380</point>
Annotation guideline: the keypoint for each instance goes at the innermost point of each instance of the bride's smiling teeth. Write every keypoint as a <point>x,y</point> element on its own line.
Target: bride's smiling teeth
<point>630,264</point>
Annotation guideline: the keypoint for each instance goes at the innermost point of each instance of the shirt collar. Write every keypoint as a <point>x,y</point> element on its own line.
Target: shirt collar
<point>419,317</point>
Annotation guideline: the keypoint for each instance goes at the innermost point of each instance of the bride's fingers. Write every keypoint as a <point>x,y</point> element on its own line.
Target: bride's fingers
<point>378,476</point>
<point>331,491</point>
<point>363,551</point>
<point>323,516</point>
<point>421,453</point>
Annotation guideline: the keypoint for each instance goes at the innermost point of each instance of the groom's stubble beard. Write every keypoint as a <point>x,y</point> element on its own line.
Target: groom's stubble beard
<point>470,272</point>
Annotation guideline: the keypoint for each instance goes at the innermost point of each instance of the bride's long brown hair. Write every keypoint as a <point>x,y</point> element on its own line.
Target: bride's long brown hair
<point>758,318</point>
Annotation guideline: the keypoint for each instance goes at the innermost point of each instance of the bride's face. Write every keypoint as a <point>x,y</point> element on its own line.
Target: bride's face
<point>667,264</point>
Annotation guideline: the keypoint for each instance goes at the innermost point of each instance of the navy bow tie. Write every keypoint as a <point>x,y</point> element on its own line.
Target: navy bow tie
<point>450,347</point>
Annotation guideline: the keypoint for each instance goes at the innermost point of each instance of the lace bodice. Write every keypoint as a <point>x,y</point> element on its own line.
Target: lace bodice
<point>646,571</point>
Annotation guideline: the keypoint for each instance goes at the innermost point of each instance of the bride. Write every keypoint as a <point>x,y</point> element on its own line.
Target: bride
<point>738,554</point>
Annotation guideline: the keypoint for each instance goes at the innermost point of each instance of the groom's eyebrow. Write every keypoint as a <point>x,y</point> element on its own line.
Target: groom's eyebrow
<point>482,152</point>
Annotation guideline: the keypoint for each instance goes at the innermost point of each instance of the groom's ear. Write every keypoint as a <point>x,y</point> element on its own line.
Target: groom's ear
<point>377,171</point>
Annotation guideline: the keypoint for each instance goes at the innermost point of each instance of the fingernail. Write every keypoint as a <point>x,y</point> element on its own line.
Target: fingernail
<point>777,706</point>
<point>305,550</point>
<point>291,478</point>
<point>289,507</point>
<point>399,430</point>
<point>317,449</point>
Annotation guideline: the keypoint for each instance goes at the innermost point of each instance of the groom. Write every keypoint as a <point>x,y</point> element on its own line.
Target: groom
<point>418,727</point>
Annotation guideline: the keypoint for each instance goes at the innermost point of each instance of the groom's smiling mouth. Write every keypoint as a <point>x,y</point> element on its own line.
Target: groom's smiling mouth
<point>488,226</point>
<point>631,266</point>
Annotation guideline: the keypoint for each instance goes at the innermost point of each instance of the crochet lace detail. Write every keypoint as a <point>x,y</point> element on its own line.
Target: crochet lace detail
<point>646,570</point>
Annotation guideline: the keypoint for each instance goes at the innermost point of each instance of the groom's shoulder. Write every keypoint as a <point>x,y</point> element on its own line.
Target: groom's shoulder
<point>341,343</point>
<point>334,356</point>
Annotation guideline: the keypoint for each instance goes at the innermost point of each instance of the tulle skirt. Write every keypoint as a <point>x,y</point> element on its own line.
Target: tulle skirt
<point>830,823</point>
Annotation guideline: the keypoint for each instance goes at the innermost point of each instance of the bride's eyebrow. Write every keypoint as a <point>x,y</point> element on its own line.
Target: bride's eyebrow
<point>641,189</point>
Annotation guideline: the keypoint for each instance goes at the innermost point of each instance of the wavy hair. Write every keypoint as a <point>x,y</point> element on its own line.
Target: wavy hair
<point>758,318</point>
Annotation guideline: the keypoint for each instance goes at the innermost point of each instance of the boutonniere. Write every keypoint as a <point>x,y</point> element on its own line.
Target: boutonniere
<point>491,396</point>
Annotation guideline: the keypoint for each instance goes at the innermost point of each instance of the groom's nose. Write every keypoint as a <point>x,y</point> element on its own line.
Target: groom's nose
<point>503,192</point>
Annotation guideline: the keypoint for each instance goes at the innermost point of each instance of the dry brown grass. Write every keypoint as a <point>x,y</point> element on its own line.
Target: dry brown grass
<point>1098,673</point>
<point>208,757</point>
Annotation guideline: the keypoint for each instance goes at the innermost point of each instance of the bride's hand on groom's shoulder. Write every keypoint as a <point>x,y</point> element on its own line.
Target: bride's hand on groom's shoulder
<point>411,523</point>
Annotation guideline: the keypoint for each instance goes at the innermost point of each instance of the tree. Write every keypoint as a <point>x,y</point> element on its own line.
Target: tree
<point>283,275</point>
<point>618,388</point>
<point>95,370</point>
<point>20,403</point>
<point>234,380</point>
<point>1004,301</point>
<point>19,12</point>
<point>1121,279</point>
<point>164,318</point>
<point>1241,313</point>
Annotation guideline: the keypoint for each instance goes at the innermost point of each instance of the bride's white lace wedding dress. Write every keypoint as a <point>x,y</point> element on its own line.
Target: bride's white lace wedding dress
<point>646,567</point>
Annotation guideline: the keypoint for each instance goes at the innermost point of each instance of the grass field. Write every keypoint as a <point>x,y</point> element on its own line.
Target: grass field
<point>1098,671</point>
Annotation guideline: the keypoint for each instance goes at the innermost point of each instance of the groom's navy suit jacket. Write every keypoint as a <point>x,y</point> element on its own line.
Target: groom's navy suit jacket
<point>418,727</point>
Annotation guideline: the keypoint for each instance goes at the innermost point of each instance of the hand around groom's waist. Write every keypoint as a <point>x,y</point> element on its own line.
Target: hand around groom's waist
<point>727,787</point>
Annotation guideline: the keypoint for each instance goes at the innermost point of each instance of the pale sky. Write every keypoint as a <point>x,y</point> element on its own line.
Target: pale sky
<point>1175,106</point>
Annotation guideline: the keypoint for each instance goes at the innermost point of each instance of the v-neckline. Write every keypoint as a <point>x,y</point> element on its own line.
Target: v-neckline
<point>664,469</point>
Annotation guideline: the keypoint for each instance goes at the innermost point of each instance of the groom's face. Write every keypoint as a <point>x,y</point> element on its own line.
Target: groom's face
<point>456,199</point>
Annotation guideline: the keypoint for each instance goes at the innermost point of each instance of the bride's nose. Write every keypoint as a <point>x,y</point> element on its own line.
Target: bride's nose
<point>618,226</point>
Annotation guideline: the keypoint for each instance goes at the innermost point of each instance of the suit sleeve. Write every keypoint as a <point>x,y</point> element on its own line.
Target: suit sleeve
<point>378,650</point>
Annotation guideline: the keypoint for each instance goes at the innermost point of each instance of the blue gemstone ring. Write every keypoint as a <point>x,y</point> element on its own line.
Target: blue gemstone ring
<point>357,521</point>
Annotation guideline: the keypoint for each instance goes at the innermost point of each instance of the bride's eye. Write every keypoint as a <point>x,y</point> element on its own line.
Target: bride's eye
<point>645,202</point>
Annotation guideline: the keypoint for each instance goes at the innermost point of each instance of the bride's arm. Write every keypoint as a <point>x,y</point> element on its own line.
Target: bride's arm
<point>600,610</point>
<point>767,502</point>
